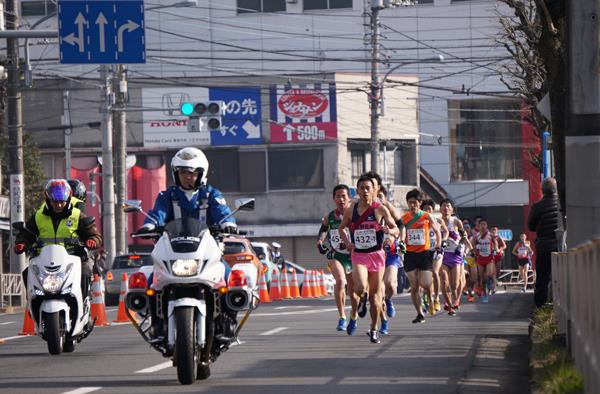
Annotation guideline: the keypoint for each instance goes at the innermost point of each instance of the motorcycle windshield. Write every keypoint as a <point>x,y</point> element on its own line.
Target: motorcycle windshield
<point>184,234</point>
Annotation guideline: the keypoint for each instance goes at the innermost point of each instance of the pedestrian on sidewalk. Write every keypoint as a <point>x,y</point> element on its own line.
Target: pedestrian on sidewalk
<point>544,219</point>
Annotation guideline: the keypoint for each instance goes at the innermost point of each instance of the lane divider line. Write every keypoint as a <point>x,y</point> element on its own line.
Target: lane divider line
<point>15,337</point>
<point>83,390</point>
<point>156,368</point>
<point>274,331</point>
<point>7,323</point>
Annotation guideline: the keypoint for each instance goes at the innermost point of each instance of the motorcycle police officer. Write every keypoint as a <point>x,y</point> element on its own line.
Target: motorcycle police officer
<point>191,196</point>
<point>56,220</point>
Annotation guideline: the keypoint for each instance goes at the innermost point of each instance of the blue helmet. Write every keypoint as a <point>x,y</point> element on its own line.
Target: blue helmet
<point>57,190</point>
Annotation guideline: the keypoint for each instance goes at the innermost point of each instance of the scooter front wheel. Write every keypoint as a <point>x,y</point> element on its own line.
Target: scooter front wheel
<point>54,332</point>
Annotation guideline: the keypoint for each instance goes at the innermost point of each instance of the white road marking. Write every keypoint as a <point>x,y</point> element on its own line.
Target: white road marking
<point>15,337</point>
<point>295,312</point>
<point>7,323</point>
<point>82,390</point>
<point>156,368</point>
<point>110,309</point>
<point>274,331</point>
<point>292,307</point>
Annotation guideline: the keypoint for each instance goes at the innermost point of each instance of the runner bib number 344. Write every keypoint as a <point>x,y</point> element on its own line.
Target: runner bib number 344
<point>416,236</point>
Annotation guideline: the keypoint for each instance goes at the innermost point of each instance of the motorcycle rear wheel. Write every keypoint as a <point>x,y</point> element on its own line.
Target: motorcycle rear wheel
<point>54,333</point>
<point>185,344</point>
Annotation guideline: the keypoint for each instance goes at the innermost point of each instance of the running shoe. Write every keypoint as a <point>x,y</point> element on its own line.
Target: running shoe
<point>384,327</point>
<point>341,324</point>
<point>486,299</point>
<point>374,336</point>
<point>390,310</point>
<point>446,306</point>
<point>419,319</point>
<point>451,312</point>
<point>456,306</point>
<point>362,305</point>
<point>471,298</point>
<point>523,290</point>
<point>490,286</point>
<point>432,309</point>
<point>351,326</point>
<point>436,304</point>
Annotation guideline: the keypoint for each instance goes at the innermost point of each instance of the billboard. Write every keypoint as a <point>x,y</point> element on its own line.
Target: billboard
<point>303,113</point>
<point>164,126</point>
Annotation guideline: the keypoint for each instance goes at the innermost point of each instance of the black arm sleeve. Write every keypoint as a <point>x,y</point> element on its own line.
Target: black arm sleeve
<point>399,223</point>
<point>322,230</point>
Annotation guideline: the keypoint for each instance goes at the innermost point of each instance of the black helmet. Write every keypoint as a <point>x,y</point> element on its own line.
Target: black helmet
<point>78,189</point>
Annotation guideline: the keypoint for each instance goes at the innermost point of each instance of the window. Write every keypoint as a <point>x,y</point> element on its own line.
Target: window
<point>296,169</point>
<point>37,8</point>
<point>253,6</point>
<point>419,2</point>
<point>485,139</point>
<point>232,171</point>
<point>357,158</point>
<point>233,248</point>
<point>405,163</point>
<point>326,4</point>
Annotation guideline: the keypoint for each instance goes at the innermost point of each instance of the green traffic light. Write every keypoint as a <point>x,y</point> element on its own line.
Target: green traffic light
<point>187,109</point>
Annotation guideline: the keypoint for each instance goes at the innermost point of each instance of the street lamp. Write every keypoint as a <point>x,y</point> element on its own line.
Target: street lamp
<point>435,59</point>
<point>376,99</point>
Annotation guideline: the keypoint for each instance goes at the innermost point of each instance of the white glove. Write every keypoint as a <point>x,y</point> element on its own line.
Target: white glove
<point>147,228</point>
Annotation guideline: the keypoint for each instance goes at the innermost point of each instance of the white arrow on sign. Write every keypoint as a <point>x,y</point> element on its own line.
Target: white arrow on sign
<point>252,129</point>
<point>101,22</point>
<point>71,39</point>
<point>129,26</point>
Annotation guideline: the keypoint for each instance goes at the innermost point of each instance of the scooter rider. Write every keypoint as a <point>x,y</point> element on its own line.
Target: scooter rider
<point>57,220</point>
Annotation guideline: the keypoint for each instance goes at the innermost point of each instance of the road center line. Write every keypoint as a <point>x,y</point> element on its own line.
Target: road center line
<point>82,390</point>
<point>155,368</point>
<point>274,331</point>
<point>7,323</point>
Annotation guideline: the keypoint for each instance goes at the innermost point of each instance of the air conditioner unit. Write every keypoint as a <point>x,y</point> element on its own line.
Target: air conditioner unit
<point>291,1</point>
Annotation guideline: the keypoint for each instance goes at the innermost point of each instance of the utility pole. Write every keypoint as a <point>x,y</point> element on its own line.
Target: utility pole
<point>108,186</point>
<point>66,121</point>
<point>582,136</point>
<point>120,134</point>
<point>15,130</point>
<point>375,96</point>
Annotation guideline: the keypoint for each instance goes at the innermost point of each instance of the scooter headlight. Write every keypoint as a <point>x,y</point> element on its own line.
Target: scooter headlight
<point>185,267</point>
<point>52,283</point>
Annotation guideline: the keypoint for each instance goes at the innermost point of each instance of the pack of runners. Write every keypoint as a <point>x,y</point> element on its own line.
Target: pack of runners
<point>370,246</point>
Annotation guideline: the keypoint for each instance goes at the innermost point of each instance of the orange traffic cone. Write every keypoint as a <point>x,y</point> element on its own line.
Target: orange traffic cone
<point>294,290</point>
<point>28,324</point>
<point>98,312</point>
<point>307,291</point>
<point>121,315</point>
<point>263,293</point>
<point>275,294</point>
<point>284,290</point>
<point>316,289</point>
<point>322,283</point>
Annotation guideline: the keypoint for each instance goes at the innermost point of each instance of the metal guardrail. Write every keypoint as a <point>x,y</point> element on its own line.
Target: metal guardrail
<point>11,290</point>
<point>511,278</point>
<point>575,280</point>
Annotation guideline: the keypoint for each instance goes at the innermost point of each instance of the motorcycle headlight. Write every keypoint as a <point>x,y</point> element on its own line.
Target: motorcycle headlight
<point>52,283</point>
<point>185,267</point>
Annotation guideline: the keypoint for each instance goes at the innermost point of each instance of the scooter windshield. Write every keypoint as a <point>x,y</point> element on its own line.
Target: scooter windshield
<point>184,234</point>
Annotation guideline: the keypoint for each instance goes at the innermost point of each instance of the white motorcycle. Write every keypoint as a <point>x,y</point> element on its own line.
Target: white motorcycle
<point>55,302</point>
<point>188,312</point>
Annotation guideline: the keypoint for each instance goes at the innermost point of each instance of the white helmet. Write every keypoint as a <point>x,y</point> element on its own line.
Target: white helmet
<point>191,159</point>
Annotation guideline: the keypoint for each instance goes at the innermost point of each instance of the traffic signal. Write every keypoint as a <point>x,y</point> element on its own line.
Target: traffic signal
<point>204,116</point>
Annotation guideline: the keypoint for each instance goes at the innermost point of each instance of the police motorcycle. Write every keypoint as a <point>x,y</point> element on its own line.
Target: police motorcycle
<point>189,313</point>
<point>54,298</point>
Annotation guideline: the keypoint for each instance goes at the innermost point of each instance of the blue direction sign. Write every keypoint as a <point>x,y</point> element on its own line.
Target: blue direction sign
<point>242,119</point>
<point>101,31</point>
<point>506,234</point>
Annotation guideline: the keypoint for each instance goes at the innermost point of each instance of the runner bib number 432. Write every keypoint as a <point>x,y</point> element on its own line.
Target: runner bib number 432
<point>365,238</point>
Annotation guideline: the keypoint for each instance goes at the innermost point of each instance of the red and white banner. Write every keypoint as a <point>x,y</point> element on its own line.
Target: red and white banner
<point>303,113</point>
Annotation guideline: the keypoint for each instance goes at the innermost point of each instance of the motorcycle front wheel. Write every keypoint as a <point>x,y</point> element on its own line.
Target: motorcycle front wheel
<point>54,332</point>
<point>185,344</point>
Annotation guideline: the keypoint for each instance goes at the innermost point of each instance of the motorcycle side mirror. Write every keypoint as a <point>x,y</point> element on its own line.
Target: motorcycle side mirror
<point>132,205</point>
<point>245,204</point>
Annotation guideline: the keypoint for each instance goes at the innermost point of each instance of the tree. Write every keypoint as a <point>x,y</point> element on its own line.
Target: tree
<point>34,176</point>
<point>535,37</point>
